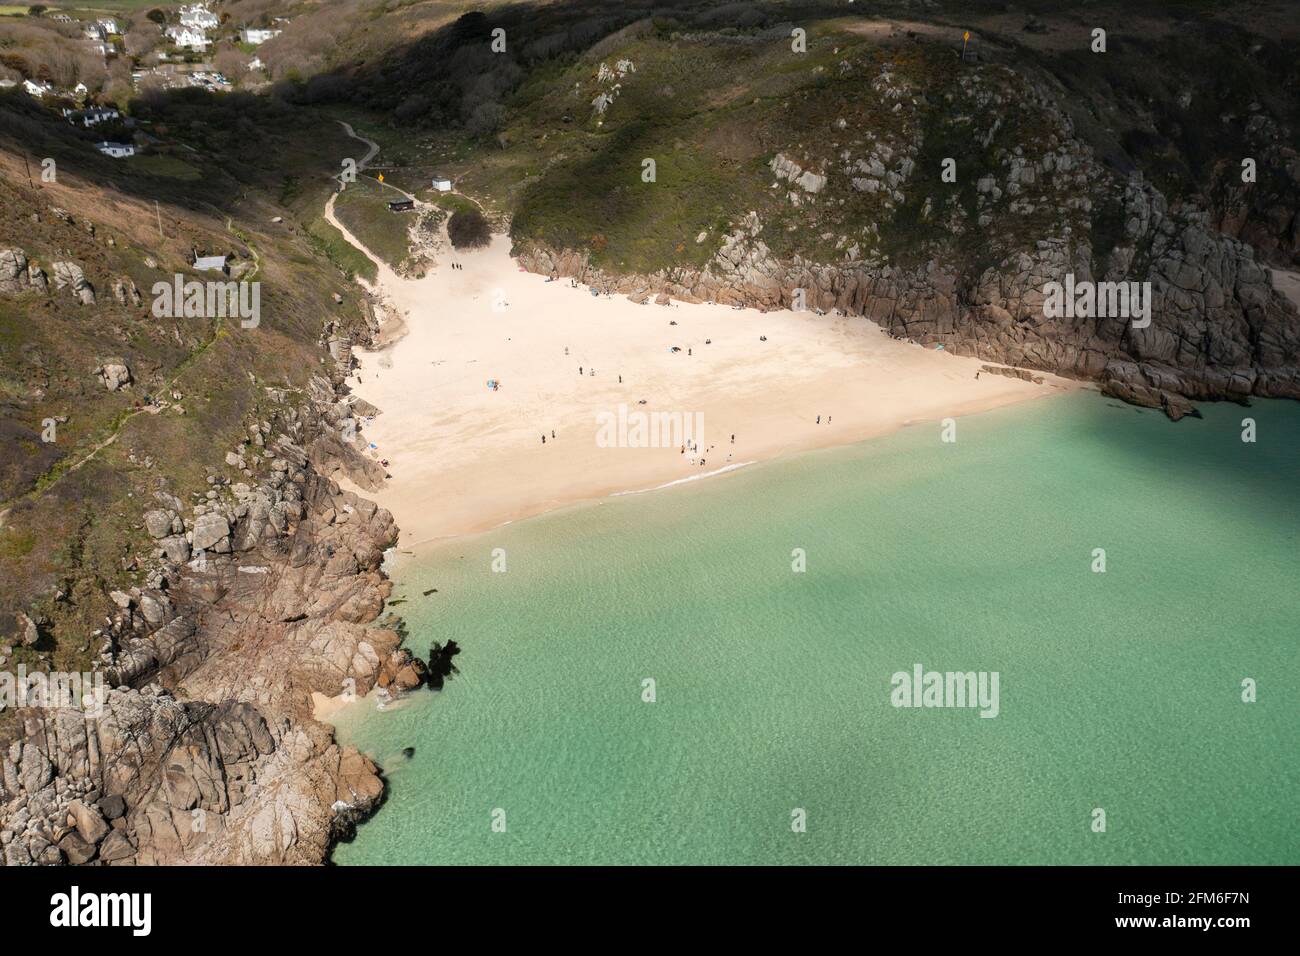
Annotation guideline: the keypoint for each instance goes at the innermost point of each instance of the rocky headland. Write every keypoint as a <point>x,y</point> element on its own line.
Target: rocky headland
<point>1219,330</point>
<point>1044,208</point>
<point>204,749</point>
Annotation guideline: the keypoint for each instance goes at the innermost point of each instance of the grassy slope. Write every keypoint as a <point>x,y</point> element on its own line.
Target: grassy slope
<point>712,117</point>
<point>720,113</point>
<point>713,113</point>
<point>363,208</point>
<point>70,535</point>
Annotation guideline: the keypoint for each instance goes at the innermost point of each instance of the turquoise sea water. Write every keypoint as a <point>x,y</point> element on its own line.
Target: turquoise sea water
<point>1118,690</point>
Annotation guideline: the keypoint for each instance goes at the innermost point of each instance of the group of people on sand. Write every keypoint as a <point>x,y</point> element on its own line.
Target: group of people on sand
<point>544,436</point>
<point>819,419</point>
<point>457,265</point>
<point>691,446</point>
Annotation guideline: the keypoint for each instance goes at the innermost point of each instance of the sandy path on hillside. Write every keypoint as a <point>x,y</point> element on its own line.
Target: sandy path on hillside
<point>465,458</point>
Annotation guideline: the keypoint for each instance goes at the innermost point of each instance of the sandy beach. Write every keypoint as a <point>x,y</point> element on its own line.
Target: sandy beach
<point>465,458</point>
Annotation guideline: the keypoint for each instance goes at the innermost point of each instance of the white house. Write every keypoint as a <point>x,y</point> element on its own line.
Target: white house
<point>199,17</point>
<point>39,88</point>
<point>256,63</point>
<point>92,116</point>
<point>109,25</point>
<point>93,31</point>
<point>211,264</point>
<point>187,38</point>
<point>442,184</point>
<point>257,37</point>
<point>116,150</point>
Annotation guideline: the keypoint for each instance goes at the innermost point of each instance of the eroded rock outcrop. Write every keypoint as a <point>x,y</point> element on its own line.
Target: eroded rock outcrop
<point>203,749</point>
<point>965,261</point>
<point>13,271</point>
<point>18,274</point>
<point>114,374</point>
<point>1218,329</point>
<point>69,275</point>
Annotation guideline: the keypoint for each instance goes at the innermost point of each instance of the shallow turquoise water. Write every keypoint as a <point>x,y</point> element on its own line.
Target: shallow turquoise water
<point>1119,691</point>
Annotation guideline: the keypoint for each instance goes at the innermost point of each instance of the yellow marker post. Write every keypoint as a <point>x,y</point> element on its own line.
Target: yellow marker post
<point>965,38</point>
<point>381,177</point>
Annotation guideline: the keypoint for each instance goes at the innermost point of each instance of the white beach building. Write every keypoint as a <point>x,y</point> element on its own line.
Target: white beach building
<point>211,264</point>
<point>442,184</point>
<point>256,37</point>
<point>116,150</point>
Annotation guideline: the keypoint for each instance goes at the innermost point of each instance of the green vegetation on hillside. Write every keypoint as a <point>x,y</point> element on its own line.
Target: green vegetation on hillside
<point>542,140</point>
<point>71,528</point>
<point>363,208</point>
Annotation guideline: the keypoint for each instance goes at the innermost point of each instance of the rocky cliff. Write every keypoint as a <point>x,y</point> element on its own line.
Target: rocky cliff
<point>172,522</point>
<point>1219,330</point>
<point>940,206</point>
<point>204,749</point>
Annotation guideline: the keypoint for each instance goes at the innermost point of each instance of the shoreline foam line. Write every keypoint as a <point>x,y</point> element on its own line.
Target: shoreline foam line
<point>465,457</point>
<point>682,481</point>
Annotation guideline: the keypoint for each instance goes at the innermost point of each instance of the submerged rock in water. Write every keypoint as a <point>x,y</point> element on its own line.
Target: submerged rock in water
<point>440,663</point>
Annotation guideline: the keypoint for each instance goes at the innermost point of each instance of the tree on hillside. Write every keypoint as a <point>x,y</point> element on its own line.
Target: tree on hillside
<point>36,9</point>
<point>232,63</point>
<point>142,40</point>
<point>156,15</point>
<point>16,62</point>
<point>468,229</point>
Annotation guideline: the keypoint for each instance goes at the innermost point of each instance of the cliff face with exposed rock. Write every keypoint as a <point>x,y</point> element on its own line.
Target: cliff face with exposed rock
<point>205,750</point>
<point>173,527</point>
<point>1219,330</point>
<point>1039,211</point>
<point>938,197</point>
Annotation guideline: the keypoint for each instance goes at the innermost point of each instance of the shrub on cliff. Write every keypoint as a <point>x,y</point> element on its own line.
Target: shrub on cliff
<point>468,229</point>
